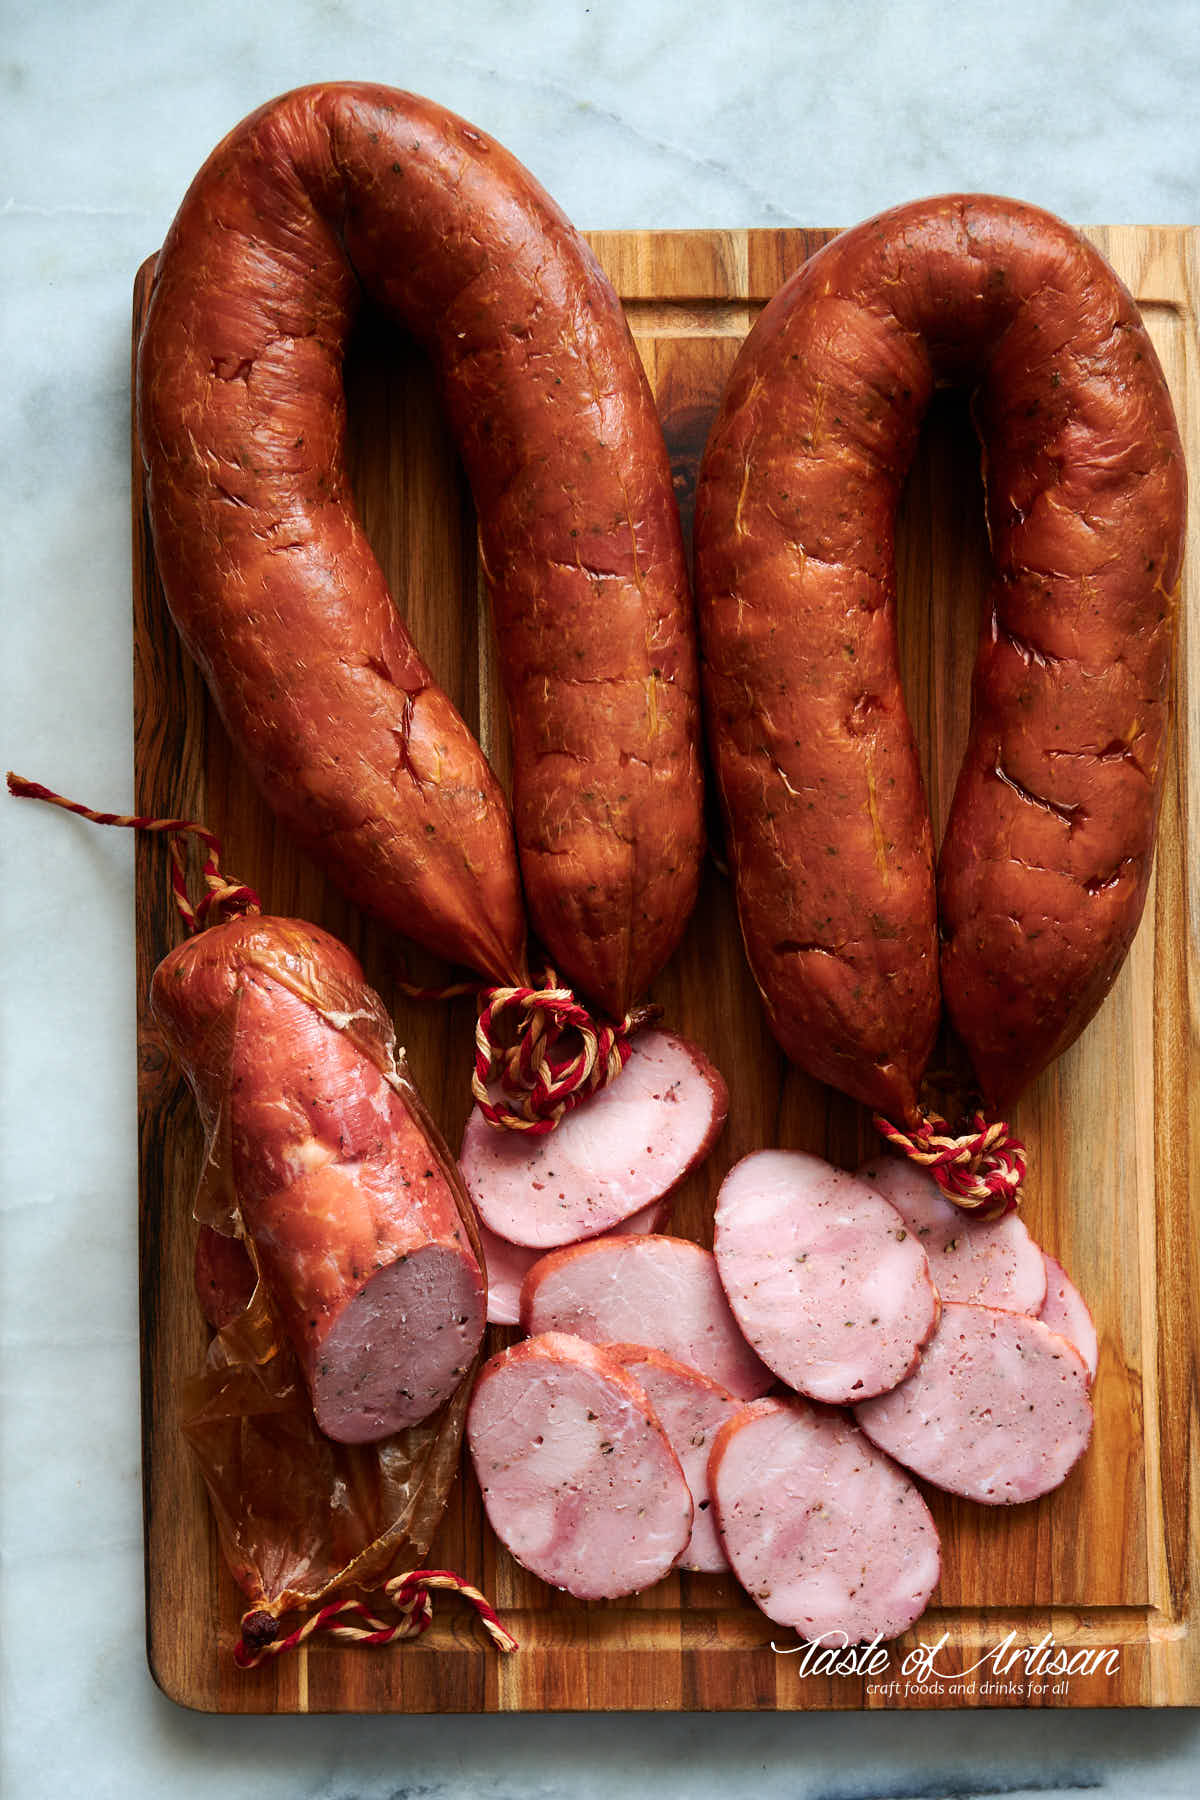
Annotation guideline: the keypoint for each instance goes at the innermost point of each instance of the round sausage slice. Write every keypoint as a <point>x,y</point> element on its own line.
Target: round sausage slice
<point>508,1264</point>
<point>1065,1311</point>
<point>691,1410</point>
<point>997,1409</point>
<point>823,1276</point>
<point>578,1478</point>
<point>663,1292</point>
<point>990,1262</point>
<point>626,1146</point>
<point>824,1533</point>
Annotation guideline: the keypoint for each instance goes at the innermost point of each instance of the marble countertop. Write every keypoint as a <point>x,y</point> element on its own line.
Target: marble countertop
<point>663,113</point>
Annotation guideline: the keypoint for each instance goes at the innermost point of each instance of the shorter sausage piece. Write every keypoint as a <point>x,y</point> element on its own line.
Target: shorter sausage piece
<point>997,1410</point>
<point>624,1147</point>
<point>663,1292</point>
<point>990,1262</point>
<point>824,1533</point>
<point>319,1144</point>
<point>1065,1311</point>
<point>691,1410</point>
<point>509,1264</point>
<point>578,1479</point>
<point>823,1276</point>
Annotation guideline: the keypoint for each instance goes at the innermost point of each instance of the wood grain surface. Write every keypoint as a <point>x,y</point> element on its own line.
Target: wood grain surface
<point>1110,1561</point>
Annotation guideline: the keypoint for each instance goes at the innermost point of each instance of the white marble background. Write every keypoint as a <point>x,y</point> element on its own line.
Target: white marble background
<point>660,113</point>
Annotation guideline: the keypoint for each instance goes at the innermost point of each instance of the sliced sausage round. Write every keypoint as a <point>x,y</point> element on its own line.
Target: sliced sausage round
<point>660,1291</point>
<point>990,1262</point>
<point>824,1533</point>
<point>691,1410</point>
<point>997,1409</point>
<point>824,1278</point>
<point>626,1146</point>
<point>578,1478</point>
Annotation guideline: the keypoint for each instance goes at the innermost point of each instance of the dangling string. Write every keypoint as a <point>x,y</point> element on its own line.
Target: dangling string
<point>980,1170</point>
<point>222,896</point>
<point>540,1047</point>
<point>408,1594</point>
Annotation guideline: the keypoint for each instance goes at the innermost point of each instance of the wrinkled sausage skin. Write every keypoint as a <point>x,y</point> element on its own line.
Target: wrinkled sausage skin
<point>280,599</point>
<point>1047,854</point>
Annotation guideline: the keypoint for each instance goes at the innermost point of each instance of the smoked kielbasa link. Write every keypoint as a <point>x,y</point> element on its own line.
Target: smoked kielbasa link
<point>279,597</point>
<point>321,1152</point>
<point>1047,853</point>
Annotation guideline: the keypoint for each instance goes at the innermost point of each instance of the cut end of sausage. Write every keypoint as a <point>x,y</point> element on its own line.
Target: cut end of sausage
<point>691,1410</point>
<point>988,1262</point>
<point>825,1279</point>
<point>997,1409</point>
<point>578,1478</point>
<point>660,1291</point>
<point>400,1347</point>
<point>620,1151</point>
<point>823,1532</point>
<point>1065,1311</point>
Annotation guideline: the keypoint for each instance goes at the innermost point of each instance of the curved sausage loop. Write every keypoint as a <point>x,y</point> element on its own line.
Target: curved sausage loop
<point>323,195</point>
<point>1047,854</point>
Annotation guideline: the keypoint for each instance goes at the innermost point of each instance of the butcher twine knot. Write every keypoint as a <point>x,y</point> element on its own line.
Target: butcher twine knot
<point>980,1170</point>
<point>408,1596</point>
<point>538,1051</point>
<point>222,898</point>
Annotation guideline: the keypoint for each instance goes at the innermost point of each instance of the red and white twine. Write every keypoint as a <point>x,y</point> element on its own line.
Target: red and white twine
<point>222,896</point>
<point>980,1170</point>
<point>538,1050</point>
<point>409,1597</point>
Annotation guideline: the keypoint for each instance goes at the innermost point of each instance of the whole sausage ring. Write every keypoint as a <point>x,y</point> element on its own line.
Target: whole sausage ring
<point>1047,853</point>
<point>323,194</point>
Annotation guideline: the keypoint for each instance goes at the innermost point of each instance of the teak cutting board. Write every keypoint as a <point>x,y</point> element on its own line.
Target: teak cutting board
<point>1108,1563</point>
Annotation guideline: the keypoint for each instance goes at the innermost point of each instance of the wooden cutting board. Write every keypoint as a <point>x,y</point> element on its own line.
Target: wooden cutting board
<point>1108,1564</point>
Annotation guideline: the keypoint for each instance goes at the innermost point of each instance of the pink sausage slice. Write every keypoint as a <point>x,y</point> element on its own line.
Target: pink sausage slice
<point>824,1278</point>
<point>997,1410</point>
<point>991,1262</point>
<point>824,1533</point>
<point>691,1410</point>
<point>1066,1312</point>
<point>663,1292</point>
<point>578,1478</point>
<point>508,1264</point>
<point>621,1150</point>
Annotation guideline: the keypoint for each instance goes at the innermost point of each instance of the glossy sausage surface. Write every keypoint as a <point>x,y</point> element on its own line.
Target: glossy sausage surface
<point>1047,854</point>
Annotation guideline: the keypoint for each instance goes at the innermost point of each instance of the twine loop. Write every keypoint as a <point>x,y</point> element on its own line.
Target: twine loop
<point>409,1597</point>
<point>980,1170</point>
<point>545,1053</point>
<point>222,898</point>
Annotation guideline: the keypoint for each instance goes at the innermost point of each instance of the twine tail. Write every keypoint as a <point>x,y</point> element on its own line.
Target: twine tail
<point>409,1595</point>
<point>980,1170</point>
<point>222,896</point>
<point>545,1053</point>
